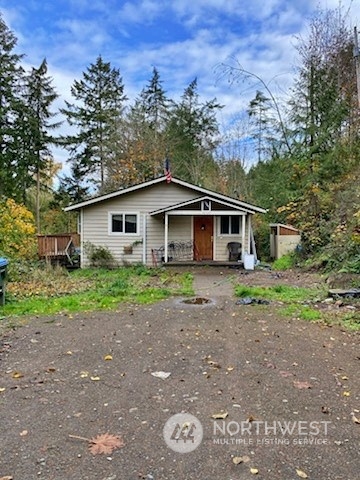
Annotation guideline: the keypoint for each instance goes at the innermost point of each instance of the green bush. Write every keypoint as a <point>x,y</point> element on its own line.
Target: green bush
<point>99,256</point>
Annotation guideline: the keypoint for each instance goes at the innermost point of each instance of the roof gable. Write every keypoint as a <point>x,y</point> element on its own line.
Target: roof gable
<point>198,200</point>
<point>204,191</point>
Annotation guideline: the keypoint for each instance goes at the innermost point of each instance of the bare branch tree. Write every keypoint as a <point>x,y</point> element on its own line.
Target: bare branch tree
<point>238,72</point>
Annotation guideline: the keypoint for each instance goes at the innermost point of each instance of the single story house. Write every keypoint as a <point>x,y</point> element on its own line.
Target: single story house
<point>160,221</point>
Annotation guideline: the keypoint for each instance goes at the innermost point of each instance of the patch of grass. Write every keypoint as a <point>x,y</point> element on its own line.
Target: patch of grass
<point>187,285</point>
<point>350,320</point>
<point>92,289</point>
<point>284,263</point>
<point>301,311</point>
<point>281,293</point>
<point>293,299</point>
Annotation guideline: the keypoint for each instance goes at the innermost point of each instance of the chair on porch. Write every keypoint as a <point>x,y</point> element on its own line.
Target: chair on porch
<point>234,251</point>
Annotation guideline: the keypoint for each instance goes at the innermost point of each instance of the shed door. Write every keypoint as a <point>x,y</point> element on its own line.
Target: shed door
<point>203,237</point>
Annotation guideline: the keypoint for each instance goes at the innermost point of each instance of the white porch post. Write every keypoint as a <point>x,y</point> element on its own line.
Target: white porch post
<point>82,242</point>
<point>144,239</point>
<point>248,232</point>
<point>243,225</point>
<point>166,237</point>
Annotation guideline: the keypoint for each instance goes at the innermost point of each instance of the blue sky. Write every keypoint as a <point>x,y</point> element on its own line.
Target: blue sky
<point>183,39</point>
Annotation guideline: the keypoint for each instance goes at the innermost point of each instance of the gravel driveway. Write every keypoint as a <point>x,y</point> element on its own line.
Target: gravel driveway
<point>288,392</point>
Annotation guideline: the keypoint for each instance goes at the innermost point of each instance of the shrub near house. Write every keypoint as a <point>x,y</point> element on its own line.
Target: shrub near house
<point>17,231</point>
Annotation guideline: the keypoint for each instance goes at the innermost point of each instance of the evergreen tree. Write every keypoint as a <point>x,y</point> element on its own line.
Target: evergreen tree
<point>321,107</point>
<point>96,116</point>
<point>326,144</point>
<point>39,96</point>
<point>142,146</point>
<point>193,135</point>
<point>154,104</point>
<point>11,110</point>
<point>258,112</point>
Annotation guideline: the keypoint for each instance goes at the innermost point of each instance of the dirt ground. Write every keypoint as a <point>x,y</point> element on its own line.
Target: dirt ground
<point>290,389</point>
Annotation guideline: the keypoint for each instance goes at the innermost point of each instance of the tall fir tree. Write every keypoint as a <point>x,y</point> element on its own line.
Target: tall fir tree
<point>261,121</point>
<point>96,118</point>
<point>39,97</point>
<point>143,145</point>
<point>193,135</point>
<point>11,114</point>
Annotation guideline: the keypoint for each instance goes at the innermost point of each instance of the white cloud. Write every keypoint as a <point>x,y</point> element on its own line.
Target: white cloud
<point>202,34</point>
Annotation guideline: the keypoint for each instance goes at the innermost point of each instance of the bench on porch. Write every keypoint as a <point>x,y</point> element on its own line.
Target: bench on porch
<point>177,251</point>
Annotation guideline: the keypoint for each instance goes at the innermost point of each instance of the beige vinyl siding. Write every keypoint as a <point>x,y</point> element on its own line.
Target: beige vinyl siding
<point>95,228</point>
<point>221,253</point>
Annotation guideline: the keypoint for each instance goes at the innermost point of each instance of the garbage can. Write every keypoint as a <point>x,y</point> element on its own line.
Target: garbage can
<point>3,266</point>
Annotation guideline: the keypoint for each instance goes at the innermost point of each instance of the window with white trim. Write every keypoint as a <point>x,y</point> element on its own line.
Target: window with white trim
<point>230,225</point>
<point>123,223</point>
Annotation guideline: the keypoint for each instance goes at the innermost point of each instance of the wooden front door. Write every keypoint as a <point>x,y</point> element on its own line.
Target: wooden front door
<point>203,237</point>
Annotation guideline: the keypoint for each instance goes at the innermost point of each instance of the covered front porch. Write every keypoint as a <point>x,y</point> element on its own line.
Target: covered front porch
<point>204,231</point>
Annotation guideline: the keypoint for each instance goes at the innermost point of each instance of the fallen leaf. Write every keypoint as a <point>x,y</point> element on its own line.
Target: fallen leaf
<point>69,352</point>
<point>285,374</point>
<point>105,443</point>
<point>23,433</point>
<point>230,369</point>
<point>84,374</point>
<point>51,370</point>
<point>7,477</point>
<point>2,389</point>
<point>108,357</point>
<point>344,377</point>
<point>220,416</point>
<point>17,375</point>
<point>302,385</point>
<point>237,460</point>
<point>254,471</point>
<point>162,375</point>
<point>250,419</point>
<point>355,419</point>
<point>301,474</point>
<point>346,394</point>
<point>325,410</point>
<point>95,379</point>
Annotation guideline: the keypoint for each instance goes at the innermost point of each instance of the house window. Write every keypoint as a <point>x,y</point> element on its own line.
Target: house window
<point>230,225</point>
<point>124,223</point>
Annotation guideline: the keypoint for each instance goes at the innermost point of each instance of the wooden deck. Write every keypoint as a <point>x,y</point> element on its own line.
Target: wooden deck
<point>58,247</point>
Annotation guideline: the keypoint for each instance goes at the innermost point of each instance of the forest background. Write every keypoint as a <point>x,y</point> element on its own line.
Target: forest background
<point>299,157</point>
